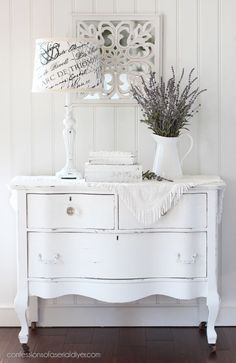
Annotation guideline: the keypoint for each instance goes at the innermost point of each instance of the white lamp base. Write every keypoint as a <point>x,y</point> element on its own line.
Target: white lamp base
<point>69,171</point>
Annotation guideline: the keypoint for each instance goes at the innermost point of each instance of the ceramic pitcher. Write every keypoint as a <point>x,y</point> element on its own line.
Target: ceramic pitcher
<point>167,162</point>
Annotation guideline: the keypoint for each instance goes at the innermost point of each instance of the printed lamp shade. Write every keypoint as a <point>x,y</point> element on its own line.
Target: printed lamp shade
<point>64,65</point>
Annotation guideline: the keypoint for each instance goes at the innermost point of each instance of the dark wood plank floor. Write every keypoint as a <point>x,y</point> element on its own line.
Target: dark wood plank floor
<point>119,345</point>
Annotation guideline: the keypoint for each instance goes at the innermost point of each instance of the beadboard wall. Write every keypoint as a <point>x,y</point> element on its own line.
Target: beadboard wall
<point>196,33</point>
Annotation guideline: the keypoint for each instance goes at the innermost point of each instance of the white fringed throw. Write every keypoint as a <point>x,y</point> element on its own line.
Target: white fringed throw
<point>149,200</point>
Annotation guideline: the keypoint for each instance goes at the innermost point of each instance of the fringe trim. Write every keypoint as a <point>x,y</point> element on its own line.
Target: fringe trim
<point>149,216</point>
<point>152,215</point>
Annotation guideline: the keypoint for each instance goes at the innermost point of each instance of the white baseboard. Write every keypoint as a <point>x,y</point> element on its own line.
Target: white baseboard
<point>8,316</point>
<point>118,316</point>
<point>227,316</point>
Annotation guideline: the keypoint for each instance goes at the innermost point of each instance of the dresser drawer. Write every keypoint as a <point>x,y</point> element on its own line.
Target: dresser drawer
<point>190,212</point>
<point>110,256</point>
<point>71,211</point>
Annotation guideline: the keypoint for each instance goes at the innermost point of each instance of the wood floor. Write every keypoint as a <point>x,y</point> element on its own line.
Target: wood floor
<point>119,345</point>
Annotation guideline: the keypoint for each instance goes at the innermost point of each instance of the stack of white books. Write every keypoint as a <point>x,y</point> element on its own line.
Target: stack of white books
<point>112,166</point>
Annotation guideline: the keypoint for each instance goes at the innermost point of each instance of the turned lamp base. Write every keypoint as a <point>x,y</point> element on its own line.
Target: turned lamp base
<point>69,174</point>
<point>69,171</point>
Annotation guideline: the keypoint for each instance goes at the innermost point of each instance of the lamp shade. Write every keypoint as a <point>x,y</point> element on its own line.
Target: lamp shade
<point>66,64</point>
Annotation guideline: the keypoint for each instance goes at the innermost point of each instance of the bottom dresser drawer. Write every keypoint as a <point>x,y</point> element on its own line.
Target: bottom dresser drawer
<point>110,256</point>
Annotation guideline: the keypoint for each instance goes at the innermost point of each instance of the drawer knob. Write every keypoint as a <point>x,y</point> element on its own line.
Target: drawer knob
<point>53,261</point>
<point>189,261</point>
<point>70,211</point>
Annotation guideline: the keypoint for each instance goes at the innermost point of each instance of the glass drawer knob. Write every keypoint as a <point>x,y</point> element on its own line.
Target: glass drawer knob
<point>70,211</point>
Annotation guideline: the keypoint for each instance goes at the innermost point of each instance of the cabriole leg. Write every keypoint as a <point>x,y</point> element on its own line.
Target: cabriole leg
<point>213,304</point>
<point>33,325</point>
<point>21,304</point>
<point>33,312</point>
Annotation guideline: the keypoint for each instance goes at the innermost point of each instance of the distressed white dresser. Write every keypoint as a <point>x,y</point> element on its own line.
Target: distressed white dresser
<point>77,239</point>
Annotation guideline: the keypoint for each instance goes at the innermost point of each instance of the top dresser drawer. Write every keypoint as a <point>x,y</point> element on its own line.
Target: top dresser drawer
<point>71,211</point>
<point>190,212</point>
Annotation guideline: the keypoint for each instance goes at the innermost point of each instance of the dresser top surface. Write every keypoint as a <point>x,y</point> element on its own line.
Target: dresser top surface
<point>51,182</point>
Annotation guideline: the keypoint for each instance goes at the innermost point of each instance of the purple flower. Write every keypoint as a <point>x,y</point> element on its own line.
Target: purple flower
<point>167,106</point>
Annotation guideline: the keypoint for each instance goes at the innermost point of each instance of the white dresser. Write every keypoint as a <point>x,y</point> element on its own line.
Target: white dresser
<point>78,239</point>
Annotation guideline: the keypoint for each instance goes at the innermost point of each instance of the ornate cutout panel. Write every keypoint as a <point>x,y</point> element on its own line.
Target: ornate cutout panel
<point>129,48</point>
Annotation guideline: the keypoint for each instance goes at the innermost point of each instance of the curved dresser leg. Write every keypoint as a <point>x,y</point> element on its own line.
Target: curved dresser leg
<point>202,327</point>
<point>33,325</point>
<point>25,348</point>
<point>21,304</point>
<point>213,304</point>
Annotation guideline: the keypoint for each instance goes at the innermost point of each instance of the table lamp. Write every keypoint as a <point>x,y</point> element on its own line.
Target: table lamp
<point>66,65</point>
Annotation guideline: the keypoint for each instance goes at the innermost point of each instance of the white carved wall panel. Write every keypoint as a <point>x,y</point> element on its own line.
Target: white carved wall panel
<point>130,47</point>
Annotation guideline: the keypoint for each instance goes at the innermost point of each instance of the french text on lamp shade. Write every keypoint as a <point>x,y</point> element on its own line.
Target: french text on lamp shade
<point>65,65</point>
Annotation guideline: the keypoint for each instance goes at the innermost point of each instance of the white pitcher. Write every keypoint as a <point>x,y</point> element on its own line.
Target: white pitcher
<point>167,162</point>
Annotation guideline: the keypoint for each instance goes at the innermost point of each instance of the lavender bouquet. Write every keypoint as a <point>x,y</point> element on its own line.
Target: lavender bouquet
<point>167,107</point>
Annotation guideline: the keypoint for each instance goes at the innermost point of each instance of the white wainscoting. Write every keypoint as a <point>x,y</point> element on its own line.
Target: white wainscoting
<point>196,33</point>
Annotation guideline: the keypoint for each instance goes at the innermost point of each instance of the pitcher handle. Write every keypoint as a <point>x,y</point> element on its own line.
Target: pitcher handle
<point>190,147</point>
